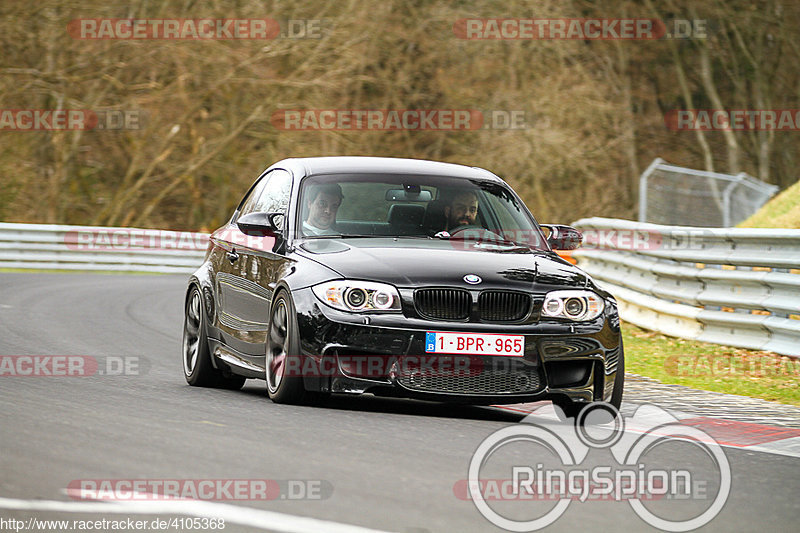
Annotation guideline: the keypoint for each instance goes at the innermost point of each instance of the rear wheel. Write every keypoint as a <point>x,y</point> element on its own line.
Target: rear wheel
<point>283,354</point>
<point>197,366</point>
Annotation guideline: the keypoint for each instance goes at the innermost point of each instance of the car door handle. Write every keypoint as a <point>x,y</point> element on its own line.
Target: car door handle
<point>233,256</point>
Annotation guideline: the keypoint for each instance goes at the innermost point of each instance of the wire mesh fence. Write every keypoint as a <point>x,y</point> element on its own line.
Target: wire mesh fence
<point>681,196</point>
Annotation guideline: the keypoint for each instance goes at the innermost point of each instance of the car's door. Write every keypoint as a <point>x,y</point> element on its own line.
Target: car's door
<point>246,281</point>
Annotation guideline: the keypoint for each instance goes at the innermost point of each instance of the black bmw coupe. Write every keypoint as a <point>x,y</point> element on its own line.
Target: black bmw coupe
<point>398,277</point>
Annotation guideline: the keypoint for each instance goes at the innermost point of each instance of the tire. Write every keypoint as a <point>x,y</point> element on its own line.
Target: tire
<point>283,349</point>
<point>573,409</point>
<point>198,369</point>
<point>570,409</point>
<point>619,380</point>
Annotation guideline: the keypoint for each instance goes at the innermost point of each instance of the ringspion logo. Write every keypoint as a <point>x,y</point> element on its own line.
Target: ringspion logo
<point>550,461</point>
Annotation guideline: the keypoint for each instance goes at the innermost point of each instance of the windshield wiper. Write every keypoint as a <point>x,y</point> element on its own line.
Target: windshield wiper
<point>494,239</point>
<point>389,236</point>
<point>338,236</point>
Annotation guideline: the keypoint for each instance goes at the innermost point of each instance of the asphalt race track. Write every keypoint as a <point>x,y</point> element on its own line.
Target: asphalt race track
<point>383,464</point>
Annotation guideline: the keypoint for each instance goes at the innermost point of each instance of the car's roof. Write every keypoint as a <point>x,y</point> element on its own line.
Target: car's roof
<point>381,165</point>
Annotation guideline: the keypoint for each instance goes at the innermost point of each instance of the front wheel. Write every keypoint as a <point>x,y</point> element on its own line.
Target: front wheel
<point>284,384</point>
<point>573,409</point>
<point>569,408</point>
<point>619,380</point>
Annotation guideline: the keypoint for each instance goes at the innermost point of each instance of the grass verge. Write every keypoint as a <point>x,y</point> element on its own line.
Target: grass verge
<point>783,211</point>
<point>712,367</point>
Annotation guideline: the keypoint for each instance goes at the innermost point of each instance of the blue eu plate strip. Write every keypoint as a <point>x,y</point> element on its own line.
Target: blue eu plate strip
<point>430,341</point>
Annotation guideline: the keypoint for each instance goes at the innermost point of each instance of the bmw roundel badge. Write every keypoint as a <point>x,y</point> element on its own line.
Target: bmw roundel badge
<point>472,279</point>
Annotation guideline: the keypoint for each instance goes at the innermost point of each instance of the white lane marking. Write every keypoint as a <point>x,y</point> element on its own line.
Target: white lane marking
<point>789,447</point>
<point>234,514</point>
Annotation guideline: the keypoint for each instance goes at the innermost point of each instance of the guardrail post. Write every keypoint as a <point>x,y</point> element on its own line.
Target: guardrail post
<point>643,188</point>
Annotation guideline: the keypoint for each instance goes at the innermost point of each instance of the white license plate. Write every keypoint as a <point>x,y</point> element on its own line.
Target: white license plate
<point>475,343</point>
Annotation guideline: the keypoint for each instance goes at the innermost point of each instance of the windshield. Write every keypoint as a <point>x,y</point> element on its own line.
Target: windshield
<point>429,207</point>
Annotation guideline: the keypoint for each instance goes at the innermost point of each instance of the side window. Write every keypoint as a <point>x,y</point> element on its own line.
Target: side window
<point>249,203</point>
<point>271,195</point>
<point>274,198</point>
<point>502,210</point>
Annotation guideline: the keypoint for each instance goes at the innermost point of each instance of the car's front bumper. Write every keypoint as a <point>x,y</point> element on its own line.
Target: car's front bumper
<point>561,361</point>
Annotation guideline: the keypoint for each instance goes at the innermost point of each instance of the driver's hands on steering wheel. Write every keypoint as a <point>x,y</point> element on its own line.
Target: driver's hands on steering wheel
<point>465,227</point>
<point>481,235</point>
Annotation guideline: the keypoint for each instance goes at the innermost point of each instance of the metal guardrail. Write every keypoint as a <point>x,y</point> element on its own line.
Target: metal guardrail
<point>57,247</point>
<point>738,287</point>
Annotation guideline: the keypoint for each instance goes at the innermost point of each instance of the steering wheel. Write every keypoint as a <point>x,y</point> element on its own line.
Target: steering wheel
<point>484,234</point>
<point>463,227</point>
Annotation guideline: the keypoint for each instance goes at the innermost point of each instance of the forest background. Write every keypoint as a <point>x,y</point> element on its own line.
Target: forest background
<point>594,109</point>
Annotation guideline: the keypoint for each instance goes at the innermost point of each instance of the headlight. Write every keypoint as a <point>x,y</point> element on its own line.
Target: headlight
<point>358,296</point>
<point>574,305</point>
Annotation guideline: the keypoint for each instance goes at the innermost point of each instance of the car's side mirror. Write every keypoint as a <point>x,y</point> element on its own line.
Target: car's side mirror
<point>261,224</point>
<point>561,237</point>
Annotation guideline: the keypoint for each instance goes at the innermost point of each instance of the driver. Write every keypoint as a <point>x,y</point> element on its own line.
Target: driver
<point>462,210</point>
<point>323,202</point>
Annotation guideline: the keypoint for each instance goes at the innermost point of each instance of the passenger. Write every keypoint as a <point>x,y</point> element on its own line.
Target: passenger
<point>322,203</point>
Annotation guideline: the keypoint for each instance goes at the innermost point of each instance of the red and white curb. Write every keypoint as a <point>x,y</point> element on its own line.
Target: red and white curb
<point>728,433</point>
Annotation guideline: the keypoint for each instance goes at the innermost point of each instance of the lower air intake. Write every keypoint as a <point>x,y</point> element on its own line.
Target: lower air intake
<point>513,379</point>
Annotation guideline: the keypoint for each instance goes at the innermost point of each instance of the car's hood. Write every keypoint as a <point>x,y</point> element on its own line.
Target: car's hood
<point>420,262</point>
